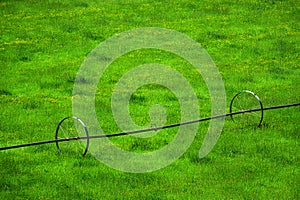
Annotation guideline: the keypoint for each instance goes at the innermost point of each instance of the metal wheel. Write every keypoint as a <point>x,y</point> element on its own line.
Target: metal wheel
<point>76,134</point>
<point>247,101</point>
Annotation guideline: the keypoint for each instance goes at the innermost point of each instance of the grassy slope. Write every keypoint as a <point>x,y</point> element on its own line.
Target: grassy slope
<point>42,45</point>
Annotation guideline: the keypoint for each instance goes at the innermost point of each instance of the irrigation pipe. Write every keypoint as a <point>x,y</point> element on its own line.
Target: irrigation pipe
<point>148,129</point>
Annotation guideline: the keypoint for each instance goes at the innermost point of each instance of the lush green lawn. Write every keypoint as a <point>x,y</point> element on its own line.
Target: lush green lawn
<point>255,45</point>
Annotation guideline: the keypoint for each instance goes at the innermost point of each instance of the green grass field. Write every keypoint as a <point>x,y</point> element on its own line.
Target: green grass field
<point>255,45</point>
